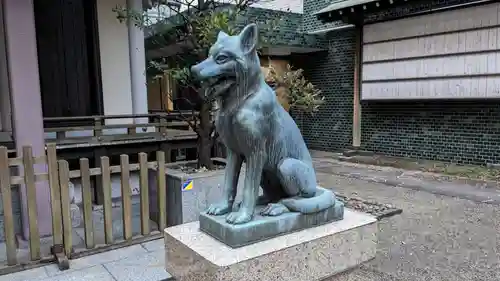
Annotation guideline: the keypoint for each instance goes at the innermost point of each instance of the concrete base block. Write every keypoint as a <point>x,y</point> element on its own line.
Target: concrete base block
<point>185,204</point>
<point>307,255</point>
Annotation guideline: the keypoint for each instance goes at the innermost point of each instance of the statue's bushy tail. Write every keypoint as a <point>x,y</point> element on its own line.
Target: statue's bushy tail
<point>323,199</point>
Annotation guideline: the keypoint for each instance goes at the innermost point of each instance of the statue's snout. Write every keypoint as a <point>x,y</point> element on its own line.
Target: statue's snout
<point>195,71</point>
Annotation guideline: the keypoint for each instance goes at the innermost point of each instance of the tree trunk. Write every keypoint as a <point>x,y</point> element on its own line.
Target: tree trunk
<point>205,138</point>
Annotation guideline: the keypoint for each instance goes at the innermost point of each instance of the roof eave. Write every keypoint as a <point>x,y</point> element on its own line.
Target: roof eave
<point>351,11</point>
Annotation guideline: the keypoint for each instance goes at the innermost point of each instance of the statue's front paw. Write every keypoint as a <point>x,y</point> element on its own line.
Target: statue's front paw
<point>236,206</point>
<point>219,209</point>
<point>274,209</point>
<point>239,217</point>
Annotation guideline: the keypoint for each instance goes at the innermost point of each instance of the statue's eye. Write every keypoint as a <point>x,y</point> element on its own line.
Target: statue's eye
<point>221,58</point>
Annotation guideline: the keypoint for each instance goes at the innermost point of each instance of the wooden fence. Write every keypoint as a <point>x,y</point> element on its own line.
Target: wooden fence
<point>58,176</point>
<point>97,124</point>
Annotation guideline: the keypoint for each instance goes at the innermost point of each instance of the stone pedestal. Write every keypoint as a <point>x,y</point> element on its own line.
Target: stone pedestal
<point>307,255</point>
<point>265,227</point>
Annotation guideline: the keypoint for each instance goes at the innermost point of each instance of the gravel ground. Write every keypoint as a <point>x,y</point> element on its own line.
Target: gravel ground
<point>436,238</point>
<point>376,209</point>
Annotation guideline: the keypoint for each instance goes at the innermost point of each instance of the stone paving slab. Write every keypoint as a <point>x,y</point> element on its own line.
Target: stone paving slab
<point>94,273</point>
<point>155,245</point>
<point>30,274</point>
<point>144,262</point>
<point>97,259</point>
<point>148,267</point>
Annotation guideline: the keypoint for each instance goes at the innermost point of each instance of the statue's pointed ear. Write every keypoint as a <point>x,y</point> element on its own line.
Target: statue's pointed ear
<point>222,35</point>
<point>249,37</point>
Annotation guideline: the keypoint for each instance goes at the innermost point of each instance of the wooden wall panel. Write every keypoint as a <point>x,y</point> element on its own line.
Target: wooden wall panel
<point>449,55</point>
<point>448,21</point>
<point>437,45</point>
<point>483,87</point>
<point>470,65</point>
<point>161,92</point>
<point>280,65</point>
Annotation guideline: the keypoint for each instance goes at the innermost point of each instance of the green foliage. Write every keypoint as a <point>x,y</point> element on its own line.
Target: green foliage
<point>182,75</point>
<point>123,14</point>
<point>208,26</point>
<point>201,27</point>
<point>301,93</point>
<point>197,28</point>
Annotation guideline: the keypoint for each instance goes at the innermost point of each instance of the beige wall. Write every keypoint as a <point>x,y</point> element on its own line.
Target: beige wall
<point>115,63</point>
<point>403,59</point>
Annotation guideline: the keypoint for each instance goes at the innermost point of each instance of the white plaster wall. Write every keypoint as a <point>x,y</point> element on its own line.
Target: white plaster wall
<point>158,13</point>
<point>115,63</point>
<point>294,6</point>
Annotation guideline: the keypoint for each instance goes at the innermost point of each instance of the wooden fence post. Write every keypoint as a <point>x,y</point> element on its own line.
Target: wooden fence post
<point>107,206</point>
<point>29,180</point>
<point>144,189</point>
<point>55,194</point>
<point>57,248</point>
<point>126,197</point>
<point>65,207</point>
<point>8,217</point>
<point>88,223</point>
<point>161,185</point>
<point>97,128</point>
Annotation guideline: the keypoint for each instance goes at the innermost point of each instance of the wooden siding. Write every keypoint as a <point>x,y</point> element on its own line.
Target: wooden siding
<point>161,93</point>
<point>448,55</point>
<point>280,66</point>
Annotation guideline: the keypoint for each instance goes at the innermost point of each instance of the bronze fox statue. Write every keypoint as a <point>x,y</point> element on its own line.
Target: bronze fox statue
<point>256,129</point>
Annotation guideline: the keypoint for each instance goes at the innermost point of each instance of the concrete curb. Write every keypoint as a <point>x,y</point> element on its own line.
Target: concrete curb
<point>462,191</point>
<point>427,175</point>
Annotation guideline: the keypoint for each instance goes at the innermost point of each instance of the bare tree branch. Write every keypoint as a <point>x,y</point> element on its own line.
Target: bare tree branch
<point>191,120</point>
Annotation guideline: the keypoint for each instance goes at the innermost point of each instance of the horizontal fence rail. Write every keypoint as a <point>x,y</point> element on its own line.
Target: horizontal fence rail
<point>97,123</point>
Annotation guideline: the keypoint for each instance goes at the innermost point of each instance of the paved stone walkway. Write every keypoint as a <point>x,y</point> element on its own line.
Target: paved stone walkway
<point>144,262</point>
